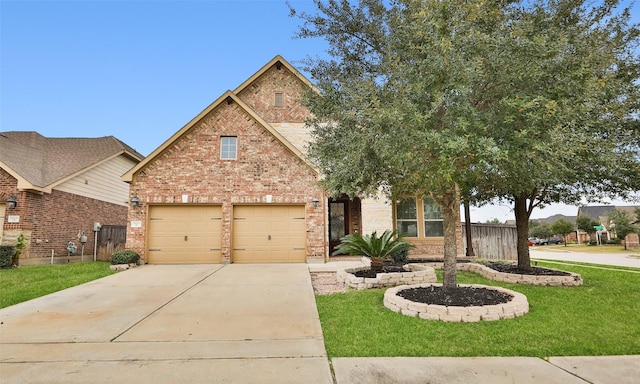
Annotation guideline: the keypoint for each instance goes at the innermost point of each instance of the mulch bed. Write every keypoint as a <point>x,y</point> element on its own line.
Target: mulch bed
<point>536,271</point>
<point>458,297</point>
<point>369,273</point>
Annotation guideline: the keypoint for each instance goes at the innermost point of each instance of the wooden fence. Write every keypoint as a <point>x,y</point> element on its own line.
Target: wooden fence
<point>492,241</point>
<point>111,238</point>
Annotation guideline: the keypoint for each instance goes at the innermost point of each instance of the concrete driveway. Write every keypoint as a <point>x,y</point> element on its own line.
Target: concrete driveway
<point>159,324</point>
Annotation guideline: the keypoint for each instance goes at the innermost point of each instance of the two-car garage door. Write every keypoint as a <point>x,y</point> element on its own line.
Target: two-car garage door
<point>259,234</point>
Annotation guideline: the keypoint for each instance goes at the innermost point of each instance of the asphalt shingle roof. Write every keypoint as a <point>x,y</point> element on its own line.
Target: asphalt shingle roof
<point>43,161</point>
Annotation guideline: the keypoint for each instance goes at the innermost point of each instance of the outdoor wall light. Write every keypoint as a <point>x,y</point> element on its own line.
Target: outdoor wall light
<point>135,201</point>
<point>315,202</point>
<point>12,202</point>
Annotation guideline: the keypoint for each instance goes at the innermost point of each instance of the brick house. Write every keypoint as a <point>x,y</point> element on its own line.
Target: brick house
<point>52,189</point>
<point>601,213</point>
<point>234,185</point>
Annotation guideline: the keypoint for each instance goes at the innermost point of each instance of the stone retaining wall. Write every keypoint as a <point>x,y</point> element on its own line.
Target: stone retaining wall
<point>518,306</point>
<point>572,280</point>
<point>416,273</point>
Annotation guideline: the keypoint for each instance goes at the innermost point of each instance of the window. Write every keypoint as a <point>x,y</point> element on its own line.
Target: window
<point>228,147</point>
<point>432,218</point>
<point>419,220</point>
<point>407,218</point>
<point>278,99</point>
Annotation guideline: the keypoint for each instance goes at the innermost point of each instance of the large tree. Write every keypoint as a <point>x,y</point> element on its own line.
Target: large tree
<point>563,87</point>
<point>395,110</point>
<point>527,101</point>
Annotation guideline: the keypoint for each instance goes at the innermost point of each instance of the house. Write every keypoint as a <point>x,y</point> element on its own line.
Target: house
<point>54,189</point>
<point>601,213</point>
<point>234,185</point>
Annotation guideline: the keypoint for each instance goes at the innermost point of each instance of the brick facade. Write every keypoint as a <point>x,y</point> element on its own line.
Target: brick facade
<point>188,169</point>
<point>49,221</point>
<point>191,166</point>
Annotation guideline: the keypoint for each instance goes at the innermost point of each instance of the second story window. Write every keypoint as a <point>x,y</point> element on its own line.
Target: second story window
<point>229,147</point>
<point>278,99</point>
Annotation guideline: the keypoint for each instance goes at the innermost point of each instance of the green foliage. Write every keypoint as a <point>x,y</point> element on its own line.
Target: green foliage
<point>621,223</point>
<point>540,230</point>
<point>586,223</point>
<point>7,253</point>
<point>562,227</point>
<point>124,256</point>
<point>431,96</point>
<point>614,241</point>
<point>377,248</point>
<point>401,257</point>
<point>26,283</point>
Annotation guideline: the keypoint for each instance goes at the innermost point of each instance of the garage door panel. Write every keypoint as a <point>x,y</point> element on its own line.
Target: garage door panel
<point>269,234</point>
<point>185,234</point>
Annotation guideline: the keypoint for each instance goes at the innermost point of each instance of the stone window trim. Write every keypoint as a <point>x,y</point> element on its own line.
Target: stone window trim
<point>228,147</point>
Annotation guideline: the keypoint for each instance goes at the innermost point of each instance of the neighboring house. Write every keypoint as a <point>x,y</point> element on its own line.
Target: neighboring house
<point>234,185</point>
<point>53,189</point>
<point>601,213</point>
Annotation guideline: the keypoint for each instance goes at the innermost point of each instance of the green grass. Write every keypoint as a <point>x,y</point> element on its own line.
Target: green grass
<point>26,283</point>
<point>597,318</point>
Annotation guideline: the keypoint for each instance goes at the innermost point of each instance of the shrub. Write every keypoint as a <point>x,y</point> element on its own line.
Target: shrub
<point>614,240</point>
<point>7,253</point>
<point>401,257</point>
<point>124,256</point>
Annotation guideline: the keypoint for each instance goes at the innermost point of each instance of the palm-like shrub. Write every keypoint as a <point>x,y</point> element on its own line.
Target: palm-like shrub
<point>378,249</point>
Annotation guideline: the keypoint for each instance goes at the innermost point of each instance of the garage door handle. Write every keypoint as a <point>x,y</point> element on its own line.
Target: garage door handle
<point>185,237</point>
<point>268,237</point>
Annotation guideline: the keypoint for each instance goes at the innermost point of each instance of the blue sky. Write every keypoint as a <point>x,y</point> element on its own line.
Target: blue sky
<point>140,70</point>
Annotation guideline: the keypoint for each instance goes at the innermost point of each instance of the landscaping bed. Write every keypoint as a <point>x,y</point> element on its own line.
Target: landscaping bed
<point>465,303</point>
<point>363,278</point>
<point>510,273</point>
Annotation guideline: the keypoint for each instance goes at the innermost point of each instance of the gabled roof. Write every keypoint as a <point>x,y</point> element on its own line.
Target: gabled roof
<point>230,96</point>
<point>278,60</point>
<point>596,211</point>
<point>602,211</point>
<point>39,163</point>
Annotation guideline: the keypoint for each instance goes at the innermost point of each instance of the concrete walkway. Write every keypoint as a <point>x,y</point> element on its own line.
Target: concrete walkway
<point>169,324</point>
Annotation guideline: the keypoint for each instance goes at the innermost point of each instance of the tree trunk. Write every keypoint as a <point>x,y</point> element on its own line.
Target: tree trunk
<point>467,225</point>
<point>522,228</point>
<point>450,221</point>
<point>377,265</point>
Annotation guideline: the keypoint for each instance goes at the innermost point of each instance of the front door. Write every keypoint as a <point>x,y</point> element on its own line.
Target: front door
<point>338,222</point>
<point>344,219</point>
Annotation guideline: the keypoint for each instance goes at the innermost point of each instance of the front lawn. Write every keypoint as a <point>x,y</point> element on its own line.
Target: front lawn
<point>597,318</point>
<point>26,283</point>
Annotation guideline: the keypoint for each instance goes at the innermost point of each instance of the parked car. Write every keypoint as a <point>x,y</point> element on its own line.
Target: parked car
<point>534,241</point>
<point>556,240</point>
<point>543,241</point>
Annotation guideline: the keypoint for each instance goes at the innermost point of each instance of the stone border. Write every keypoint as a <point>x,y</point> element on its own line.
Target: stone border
<point>572,280</point>
<point>518,306</point>
<point>122,267</point>
<point>416,273</point>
